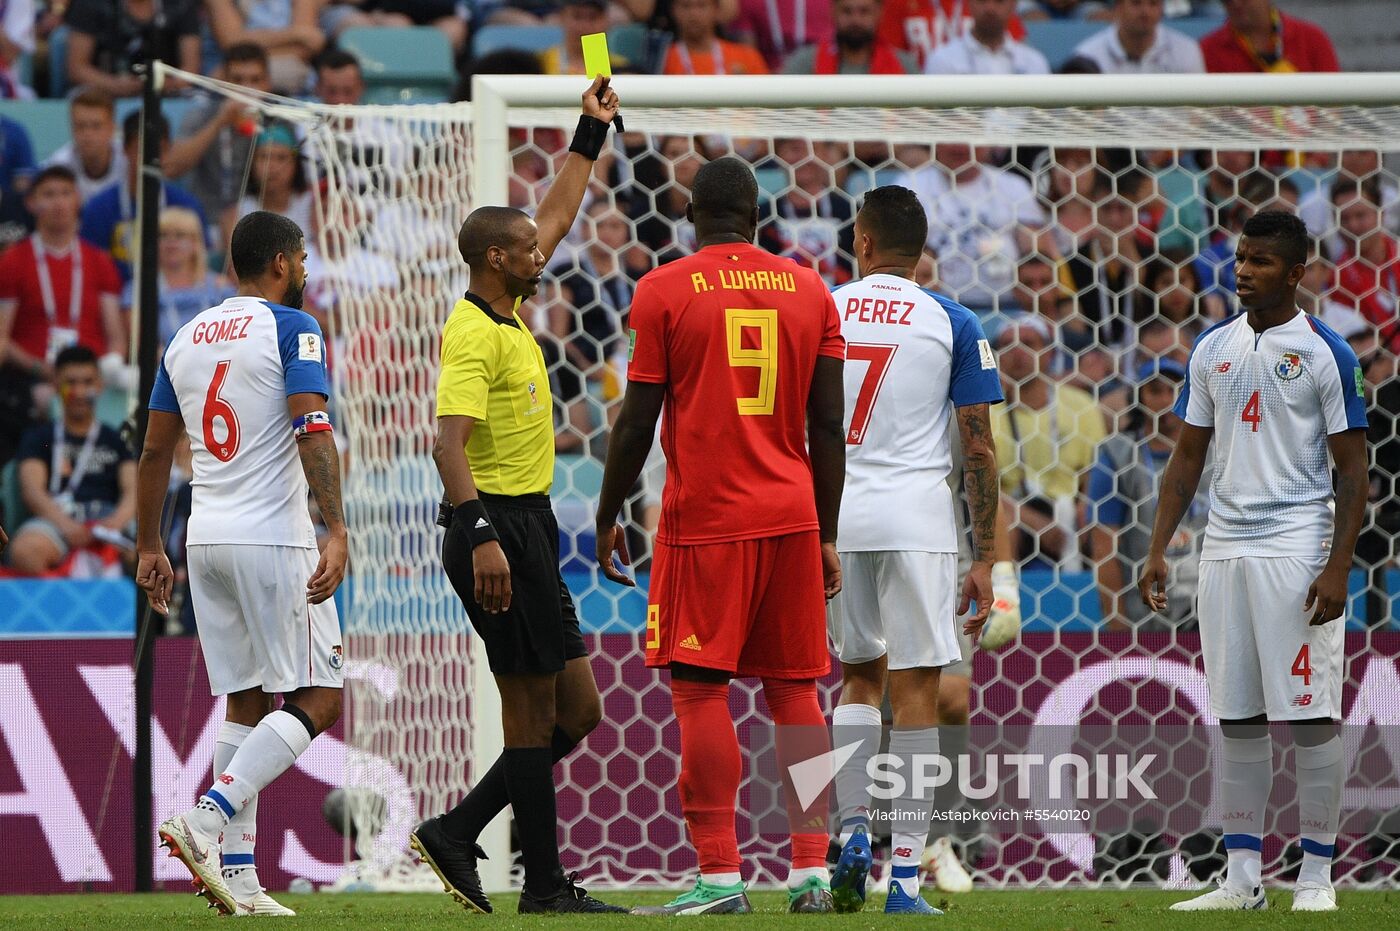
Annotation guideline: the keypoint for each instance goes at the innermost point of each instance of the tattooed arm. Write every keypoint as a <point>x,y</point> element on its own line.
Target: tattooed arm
<point>980,478</point>
<point>1179,484</point>
<point>320,461</point>
<point>981,484</point>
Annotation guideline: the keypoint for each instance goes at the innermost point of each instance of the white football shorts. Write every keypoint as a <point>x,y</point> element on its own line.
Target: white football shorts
<point>896,604</point>
<point>1261,655</point>
<point>256,628</point>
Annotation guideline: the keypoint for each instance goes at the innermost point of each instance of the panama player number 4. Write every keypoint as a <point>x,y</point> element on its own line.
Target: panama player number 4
<point>1250,414</point>
<point>1302,665</point>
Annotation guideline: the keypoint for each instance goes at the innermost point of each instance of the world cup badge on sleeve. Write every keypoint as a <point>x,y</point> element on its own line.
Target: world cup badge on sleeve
<point>1289,367</point>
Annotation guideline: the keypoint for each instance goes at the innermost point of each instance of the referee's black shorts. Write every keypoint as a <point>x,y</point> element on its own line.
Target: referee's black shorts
<point>540,631</point>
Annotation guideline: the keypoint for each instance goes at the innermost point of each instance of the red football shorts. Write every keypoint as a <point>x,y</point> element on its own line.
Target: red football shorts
<point>749,607</point>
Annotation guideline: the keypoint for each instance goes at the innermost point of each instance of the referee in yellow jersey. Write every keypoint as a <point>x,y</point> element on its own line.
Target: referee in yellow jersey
<point>495,453</point>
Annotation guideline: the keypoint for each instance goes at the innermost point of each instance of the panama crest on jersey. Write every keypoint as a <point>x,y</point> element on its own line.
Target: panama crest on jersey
<point>1289,367</point>
<point>337,657</point>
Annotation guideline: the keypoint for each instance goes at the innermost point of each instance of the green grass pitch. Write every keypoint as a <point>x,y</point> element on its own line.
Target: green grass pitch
<point>1051,909</point>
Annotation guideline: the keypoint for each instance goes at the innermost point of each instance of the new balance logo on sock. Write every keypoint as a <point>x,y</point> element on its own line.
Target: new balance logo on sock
<point>691,643</point>
<point>480,522</point>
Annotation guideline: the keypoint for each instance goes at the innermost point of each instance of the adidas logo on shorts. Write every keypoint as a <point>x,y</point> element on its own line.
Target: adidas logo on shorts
<point>691,643</point>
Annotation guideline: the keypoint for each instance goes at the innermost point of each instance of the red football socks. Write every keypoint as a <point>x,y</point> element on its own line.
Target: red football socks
<point>710,772</point>
<point>794,704</point>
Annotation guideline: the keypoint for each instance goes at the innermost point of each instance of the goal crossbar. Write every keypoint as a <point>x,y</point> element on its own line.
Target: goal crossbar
<point>1313,111</point>
<point>1017,90</point>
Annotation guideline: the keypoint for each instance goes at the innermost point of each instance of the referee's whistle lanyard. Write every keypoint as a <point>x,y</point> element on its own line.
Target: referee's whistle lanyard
<point>63,493</point>
<point>799,26</point>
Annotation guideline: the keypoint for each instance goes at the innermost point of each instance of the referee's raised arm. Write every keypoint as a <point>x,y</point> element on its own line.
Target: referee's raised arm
<point>560,205</point>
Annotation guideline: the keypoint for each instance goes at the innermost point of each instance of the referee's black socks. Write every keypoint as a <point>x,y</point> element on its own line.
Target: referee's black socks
<point>489,797</point>
<point>530,784</point>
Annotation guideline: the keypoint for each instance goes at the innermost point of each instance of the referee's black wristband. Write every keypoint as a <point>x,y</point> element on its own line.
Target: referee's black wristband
<point>589,137</point>
<point>470,516</point>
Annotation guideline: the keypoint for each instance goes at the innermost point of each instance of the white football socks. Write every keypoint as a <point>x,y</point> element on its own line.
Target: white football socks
<point>266,753</point>
<point>1246,776</point>
<point>797,876</point>
<point>241,832</point>
<point>1320,773</point>
<point>913,807</point>
<point>851,723</point>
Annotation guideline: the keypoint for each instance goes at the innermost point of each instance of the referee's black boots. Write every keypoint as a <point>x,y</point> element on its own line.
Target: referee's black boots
<point>570,898</point>
<point>453,862</point>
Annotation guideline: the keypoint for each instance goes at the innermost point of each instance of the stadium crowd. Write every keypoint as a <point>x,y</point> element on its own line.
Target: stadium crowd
<point>1093,270</point>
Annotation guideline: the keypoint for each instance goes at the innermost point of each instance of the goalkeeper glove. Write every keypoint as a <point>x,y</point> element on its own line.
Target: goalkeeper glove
<point>1004,621</point>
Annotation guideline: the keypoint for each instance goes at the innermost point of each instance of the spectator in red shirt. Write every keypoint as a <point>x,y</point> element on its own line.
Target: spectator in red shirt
<point>920,26</point>
<point>854,47</point>
<point>39,312</point>
<point>1258,37</point>
<point>1368,269</point>
<point>779,27</point>
<point>698,49</point>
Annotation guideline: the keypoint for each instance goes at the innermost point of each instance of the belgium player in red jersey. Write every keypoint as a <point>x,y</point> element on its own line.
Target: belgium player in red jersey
<point>743,350</point>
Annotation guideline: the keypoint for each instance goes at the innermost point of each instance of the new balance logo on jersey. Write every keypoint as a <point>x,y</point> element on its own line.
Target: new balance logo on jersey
<point>1223,367</point>
<point>691,643</point>
<point>226,779</point>
<point>1302,701</point>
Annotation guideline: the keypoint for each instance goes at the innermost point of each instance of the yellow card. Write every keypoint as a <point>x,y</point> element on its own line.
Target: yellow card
<point>596,60</point>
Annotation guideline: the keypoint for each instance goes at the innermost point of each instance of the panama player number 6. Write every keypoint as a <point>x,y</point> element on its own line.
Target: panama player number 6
<point>216,408</point>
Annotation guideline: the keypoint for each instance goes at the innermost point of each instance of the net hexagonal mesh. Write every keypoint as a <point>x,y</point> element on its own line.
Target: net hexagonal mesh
<point>1094,244</point>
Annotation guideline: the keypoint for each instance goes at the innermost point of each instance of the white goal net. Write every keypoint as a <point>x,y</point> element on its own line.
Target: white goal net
<point>1091,224</point>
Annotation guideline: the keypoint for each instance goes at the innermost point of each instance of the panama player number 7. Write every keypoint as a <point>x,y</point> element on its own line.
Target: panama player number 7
<point>879,355</point>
